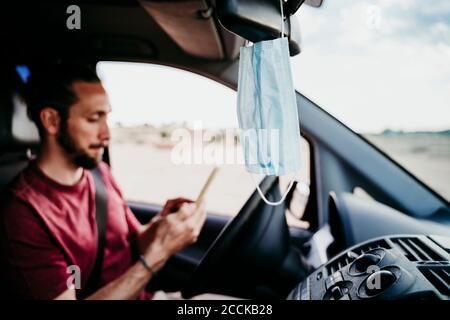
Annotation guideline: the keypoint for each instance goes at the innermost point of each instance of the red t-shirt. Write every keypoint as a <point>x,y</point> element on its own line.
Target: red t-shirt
<point>48,227</point>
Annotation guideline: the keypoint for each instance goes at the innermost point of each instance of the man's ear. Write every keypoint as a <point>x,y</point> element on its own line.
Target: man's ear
<point>50,120</point>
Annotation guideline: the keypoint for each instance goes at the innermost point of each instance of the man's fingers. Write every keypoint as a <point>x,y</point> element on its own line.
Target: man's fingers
<point>201,220</point>
<point>183,227</point>
<point>181,199</point>
<point>199,217</point>
<point>173,205</point>
<point>186,210</point>
<point>193,216</point>
<point>177,203</point>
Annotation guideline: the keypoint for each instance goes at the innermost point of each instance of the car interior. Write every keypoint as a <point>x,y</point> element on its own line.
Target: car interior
<point>402,228</point>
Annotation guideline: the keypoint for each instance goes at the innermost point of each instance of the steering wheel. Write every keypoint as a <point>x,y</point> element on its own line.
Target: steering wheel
<point>253,250</point>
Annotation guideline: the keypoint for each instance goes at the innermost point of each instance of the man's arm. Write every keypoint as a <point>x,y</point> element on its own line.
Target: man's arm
<point>127,287</point>
<point>165,236</point>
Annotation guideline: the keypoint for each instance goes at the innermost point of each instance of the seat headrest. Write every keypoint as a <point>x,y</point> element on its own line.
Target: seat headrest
<point>17,131</point>
<point>23,130</point>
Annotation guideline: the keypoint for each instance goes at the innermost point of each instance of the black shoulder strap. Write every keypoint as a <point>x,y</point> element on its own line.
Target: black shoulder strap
<point>101,217</point>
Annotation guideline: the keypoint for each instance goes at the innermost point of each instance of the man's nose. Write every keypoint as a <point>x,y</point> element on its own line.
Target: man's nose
<point>105,132</point>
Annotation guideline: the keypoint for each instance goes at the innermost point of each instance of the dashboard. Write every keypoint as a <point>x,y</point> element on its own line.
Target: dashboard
<point>390,267</point>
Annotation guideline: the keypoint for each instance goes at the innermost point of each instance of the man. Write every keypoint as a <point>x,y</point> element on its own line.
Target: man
<point>48,216</point>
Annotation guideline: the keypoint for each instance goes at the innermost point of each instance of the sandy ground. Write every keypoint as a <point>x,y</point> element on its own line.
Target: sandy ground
<point>145,171</point>
<point>426,156</point>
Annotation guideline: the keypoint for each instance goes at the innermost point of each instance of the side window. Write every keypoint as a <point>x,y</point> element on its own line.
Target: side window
<point>169,128</point>
<point>382,68</point>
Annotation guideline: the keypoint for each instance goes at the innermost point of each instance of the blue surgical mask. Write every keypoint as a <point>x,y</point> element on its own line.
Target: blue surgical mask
<point>267,111</point>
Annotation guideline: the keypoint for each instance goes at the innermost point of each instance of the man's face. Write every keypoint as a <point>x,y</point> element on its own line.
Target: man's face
<point>85,134</point>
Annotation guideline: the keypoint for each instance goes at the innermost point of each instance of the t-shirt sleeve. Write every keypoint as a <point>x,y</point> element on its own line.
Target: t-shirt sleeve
<point>134,225</point>
<point>34,265</point>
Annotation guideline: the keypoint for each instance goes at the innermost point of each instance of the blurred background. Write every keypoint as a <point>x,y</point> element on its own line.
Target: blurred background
<point>381,67</point>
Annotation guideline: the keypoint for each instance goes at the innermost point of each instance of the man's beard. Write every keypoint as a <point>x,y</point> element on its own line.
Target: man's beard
<point>79,157</point>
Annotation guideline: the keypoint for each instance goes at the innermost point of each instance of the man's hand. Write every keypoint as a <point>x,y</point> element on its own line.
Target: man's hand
<point>169,233</point>
<point>173,205</point>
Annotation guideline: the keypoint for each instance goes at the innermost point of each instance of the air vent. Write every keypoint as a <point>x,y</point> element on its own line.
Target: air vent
<point>350,256</point>
<point>372,245</point>
<point>415,250</point>
<point>439,276</point>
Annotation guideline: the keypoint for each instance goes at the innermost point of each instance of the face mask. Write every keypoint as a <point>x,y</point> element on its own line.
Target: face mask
<point>267,111</point>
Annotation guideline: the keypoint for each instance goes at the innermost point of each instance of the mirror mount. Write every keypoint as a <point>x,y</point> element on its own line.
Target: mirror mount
<point>260,20</point>
<point>314,3</point>
<point>291,6</point>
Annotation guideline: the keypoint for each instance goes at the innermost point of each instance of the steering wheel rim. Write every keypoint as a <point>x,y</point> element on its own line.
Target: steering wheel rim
<point>252,247</point>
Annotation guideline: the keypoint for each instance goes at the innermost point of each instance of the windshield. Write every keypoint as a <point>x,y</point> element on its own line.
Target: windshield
<point>382,67</point>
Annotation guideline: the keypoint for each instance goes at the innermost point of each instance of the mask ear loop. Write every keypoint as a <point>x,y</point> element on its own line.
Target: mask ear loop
<point>270,203</point>
<point>282,18</point>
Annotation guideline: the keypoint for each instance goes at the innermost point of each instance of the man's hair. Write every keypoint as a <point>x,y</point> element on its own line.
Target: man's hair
<point>51,86</point>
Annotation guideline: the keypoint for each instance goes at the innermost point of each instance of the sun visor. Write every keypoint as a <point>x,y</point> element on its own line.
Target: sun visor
<point>191,25</point>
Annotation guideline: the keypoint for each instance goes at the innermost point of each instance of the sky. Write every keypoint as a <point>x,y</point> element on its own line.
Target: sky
<point>378,64</point>
<point>144,93</point>
<point>373,64</point>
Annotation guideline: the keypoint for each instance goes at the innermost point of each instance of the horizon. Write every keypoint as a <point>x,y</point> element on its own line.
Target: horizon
<point>182,124</point>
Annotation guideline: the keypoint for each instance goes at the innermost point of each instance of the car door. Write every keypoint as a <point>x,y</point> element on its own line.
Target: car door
<point>165,141</point>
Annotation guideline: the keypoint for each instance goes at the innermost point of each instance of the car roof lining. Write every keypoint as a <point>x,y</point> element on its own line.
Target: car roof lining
<point>41,35</point>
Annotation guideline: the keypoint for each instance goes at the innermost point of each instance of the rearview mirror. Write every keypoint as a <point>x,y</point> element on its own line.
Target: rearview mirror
<point>314,3</point>
<point>259,20</point>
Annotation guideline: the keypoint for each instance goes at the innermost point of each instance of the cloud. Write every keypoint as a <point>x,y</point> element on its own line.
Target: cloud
<point>378,64</point>
<point>371,21</point>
